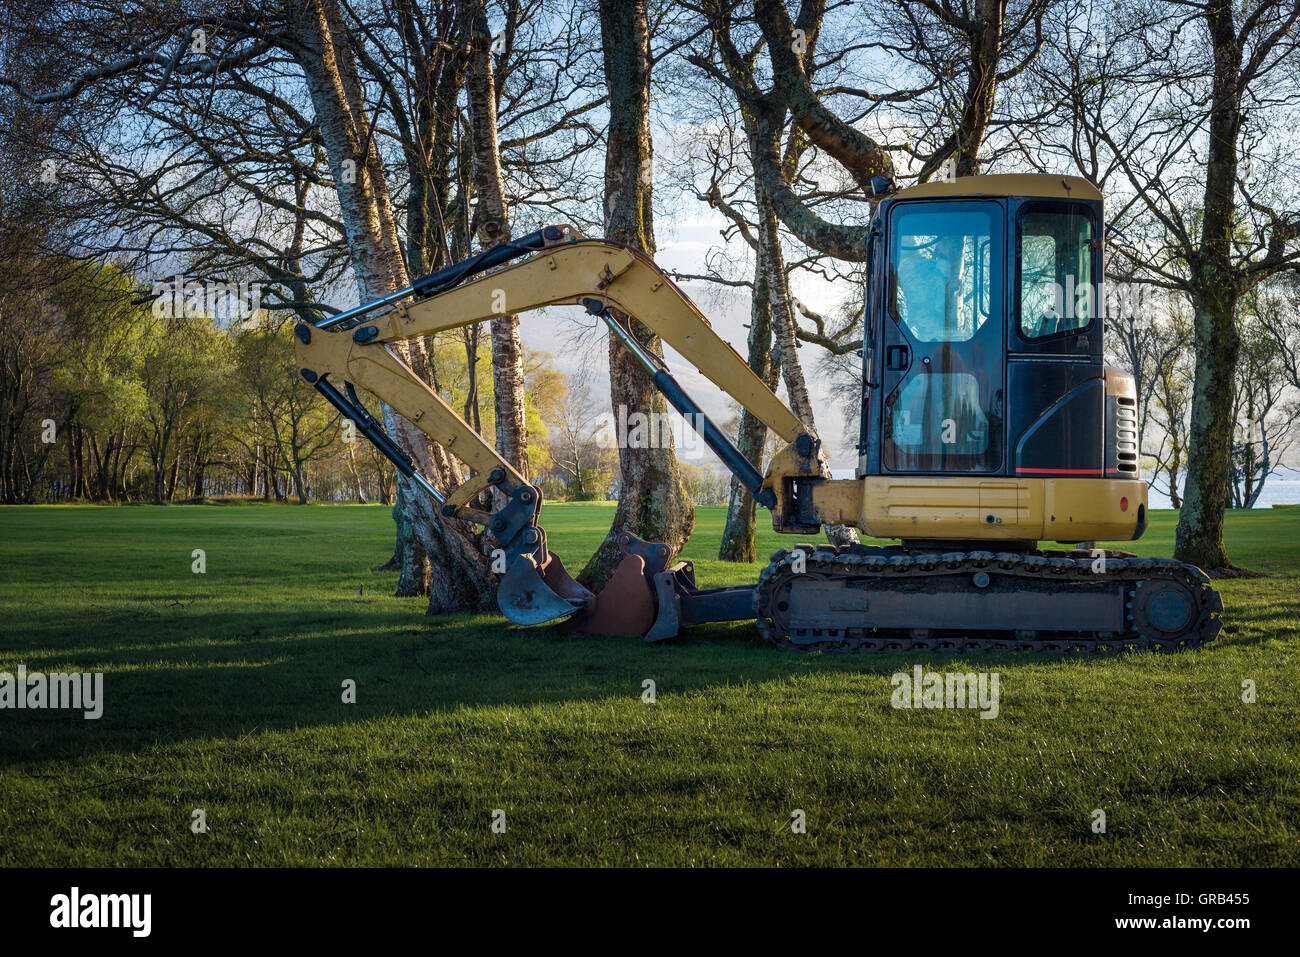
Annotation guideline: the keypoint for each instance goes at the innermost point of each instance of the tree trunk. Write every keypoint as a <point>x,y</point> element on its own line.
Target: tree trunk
<point>1175,465</point>
<point>299,480</point>
<point>652,503</point>
<point>77,461</point>
<point>469,412</point>
<point>120,463</point>
<point>494,227</point>
<point>460,575</point>
<point>981,86</point>
<point>764,119</point>
<point>174,475</point>
<point>1216,291</point>
<point>785,342</point>
<point>355,472</point>
<point>439,69</point>
<point>415,571</point>
<point>200,470</point>
<point>738,535</point>
<point>159,476</point>
<point>1199,538</point>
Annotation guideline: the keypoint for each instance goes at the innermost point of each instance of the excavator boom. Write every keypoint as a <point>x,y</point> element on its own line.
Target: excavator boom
<point>361,348</point>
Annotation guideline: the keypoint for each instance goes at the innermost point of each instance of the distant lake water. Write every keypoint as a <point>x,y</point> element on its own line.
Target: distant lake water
<point>1282,488</point>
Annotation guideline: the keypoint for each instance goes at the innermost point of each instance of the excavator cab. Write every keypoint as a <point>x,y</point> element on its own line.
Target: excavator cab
<point>990,423</point>
<point>985,394</point>
<point>989,337</point>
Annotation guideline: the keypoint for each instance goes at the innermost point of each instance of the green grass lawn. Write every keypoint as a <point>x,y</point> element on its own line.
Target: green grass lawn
<point>223,692</point>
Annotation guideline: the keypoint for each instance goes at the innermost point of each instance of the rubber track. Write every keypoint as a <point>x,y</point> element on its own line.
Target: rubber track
<point>865,561</point>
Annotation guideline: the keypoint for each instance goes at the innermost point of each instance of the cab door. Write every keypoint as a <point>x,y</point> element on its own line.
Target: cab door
<point>1055,375</point>
<point>942,362</point>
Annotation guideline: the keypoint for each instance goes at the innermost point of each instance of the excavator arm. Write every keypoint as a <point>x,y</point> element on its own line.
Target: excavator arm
<point>355,349</point>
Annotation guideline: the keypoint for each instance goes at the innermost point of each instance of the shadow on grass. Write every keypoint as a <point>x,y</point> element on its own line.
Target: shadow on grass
<point>226,674</point>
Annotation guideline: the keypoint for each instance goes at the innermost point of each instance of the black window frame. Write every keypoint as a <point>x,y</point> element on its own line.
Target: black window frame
<point>1063,206</point>
<point>890,255</point>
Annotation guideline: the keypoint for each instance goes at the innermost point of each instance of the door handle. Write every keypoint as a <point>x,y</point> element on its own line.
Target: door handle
<point>897,358</point>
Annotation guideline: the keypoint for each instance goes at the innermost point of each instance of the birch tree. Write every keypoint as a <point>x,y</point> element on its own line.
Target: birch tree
<point>493,225</point>
<point>652,503</point>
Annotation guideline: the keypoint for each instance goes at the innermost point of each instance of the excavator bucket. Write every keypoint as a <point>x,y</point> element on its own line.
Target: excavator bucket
<point>626,605</point>
<point>530,594</point>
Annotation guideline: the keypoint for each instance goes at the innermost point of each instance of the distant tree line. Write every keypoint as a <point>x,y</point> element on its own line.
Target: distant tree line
<point>108,398</point>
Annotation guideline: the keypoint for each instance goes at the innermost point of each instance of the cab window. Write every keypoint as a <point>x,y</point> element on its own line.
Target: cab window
<point>941,272</point>
<point>1057,294</point>
<point>936,422</point>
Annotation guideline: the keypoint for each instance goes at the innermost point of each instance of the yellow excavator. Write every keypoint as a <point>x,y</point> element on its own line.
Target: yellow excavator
<point>990,423</point>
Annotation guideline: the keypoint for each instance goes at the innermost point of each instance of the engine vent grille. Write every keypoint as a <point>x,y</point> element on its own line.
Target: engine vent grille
<point>1126,435</point>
